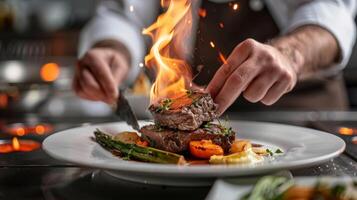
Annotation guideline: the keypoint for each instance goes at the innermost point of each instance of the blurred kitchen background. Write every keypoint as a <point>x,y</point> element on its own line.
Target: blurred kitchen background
<point>38,49</point>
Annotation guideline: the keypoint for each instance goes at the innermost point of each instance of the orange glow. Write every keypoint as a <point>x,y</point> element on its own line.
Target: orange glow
<point>212,44</point>
<point>221,25</point>
<point>3,100</point>
<point>40,129</point>
<point>222,58</point>
<point>15,144</point>
<point>235,6</point>
<point>20,131</point>
<point>345,131</point>
<point>202,12</point>
<point>170,34</point>
<point>50,72</point>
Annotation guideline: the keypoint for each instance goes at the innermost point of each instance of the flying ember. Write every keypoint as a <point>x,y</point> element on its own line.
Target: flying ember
<point>169,34</point>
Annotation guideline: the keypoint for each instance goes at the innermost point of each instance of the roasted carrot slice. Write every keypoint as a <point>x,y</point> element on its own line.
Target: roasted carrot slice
<point>205,149</point>
<point>142,143</point>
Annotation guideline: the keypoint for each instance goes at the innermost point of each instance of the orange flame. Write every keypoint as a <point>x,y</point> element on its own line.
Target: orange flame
<point>202,12</point>
<point>169,34</point>
<point>15,143</point>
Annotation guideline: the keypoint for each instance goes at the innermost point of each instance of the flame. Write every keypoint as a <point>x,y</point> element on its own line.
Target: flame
<point>15,143</point>
<point>202,12</point>
<point>169,33</point>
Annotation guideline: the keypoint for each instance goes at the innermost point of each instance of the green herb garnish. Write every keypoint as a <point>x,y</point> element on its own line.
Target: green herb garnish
<point>269,152</point>
<point>190,92</point>
<point>279,151</point>
<point>207,125</point>
<point>225,128</point>
<point>164,105</point>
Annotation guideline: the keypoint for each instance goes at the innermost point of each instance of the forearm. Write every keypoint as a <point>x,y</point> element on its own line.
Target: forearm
<point>309,48</point>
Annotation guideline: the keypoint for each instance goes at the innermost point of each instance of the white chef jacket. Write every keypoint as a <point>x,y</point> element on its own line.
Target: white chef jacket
<point>124,20</point>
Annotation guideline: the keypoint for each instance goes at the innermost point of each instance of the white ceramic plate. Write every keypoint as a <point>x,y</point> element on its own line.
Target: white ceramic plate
<point>302,147</point>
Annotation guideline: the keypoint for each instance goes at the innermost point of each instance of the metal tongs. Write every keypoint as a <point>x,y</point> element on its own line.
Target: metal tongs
<point>124,111</point>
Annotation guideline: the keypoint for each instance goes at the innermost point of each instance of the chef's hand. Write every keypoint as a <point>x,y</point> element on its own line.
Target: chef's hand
<point>99,73</point>
<point>258,71</point>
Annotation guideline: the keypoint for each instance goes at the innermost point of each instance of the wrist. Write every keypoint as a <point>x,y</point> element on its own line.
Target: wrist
<point>292,51</point>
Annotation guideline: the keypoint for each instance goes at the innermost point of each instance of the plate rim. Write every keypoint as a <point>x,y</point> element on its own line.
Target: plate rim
<point>175,170</point>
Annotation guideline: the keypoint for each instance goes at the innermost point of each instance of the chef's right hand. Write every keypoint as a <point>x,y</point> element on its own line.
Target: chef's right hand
<point>99,73</point>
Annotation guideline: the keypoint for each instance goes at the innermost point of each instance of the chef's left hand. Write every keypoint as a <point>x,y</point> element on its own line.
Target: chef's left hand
<point>258,71</point>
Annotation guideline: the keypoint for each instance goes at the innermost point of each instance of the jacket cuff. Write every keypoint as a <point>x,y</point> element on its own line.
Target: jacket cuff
<point>335,18</point>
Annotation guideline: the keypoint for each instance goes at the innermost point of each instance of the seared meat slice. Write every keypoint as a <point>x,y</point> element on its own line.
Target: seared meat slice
<point>177,141</point>
<point>185,113</point>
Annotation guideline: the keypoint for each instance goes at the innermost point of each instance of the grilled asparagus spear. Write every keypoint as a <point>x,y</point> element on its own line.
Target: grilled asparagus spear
<point>135,152</point>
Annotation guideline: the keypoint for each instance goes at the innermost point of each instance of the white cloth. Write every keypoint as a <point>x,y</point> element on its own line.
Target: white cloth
<point>124,20</point>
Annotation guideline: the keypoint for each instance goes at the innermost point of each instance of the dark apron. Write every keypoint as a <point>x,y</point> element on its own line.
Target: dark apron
<point>227,27</point>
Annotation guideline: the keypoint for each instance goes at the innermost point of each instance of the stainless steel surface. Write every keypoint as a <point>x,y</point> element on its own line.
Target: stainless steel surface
<point>125,112</point>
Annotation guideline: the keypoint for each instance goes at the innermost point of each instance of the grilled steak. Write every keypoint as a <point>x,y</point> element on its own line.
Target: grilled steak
<point>185,113</point>
<point>177,141</point>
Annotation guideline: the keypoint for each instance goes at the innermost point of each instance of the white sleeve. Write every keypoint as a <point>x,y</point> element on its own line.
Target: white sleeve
<point>336,16</point>
<point>123,22</point>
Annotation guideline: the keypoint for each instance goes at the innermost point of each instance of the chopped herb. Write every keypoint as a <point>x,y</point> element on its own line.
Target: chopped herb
<point>338,190</point>
<point>226,129</point>
<point>189,92</point>
<point>269,152</point>
<point>278,151</point>
<point>164,105</point>
<point>207,125</point>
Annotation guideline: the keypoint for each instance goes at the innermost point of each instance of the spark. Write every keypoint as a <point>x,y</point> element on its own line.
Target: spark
<point>141,64</point>
<point>222,58</point>
<point>202,12</point>
<point>212,44</point>
<point>131,8</point>
<point>235,6</point>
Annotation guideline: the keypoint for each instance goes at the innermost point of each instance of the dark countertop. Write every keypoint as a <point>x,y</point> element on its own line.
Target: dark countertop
<point>40,177</point>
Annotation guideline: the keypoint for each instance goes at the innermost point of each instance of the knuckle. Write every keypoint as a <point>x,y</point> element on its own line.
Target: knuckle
<point>250,42</point>
<point>269,57</point>
<point>274,68</point>
<point>236,78</point>
<point>91,54</point>
<point>226,69</point>
<point>288,76</point>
